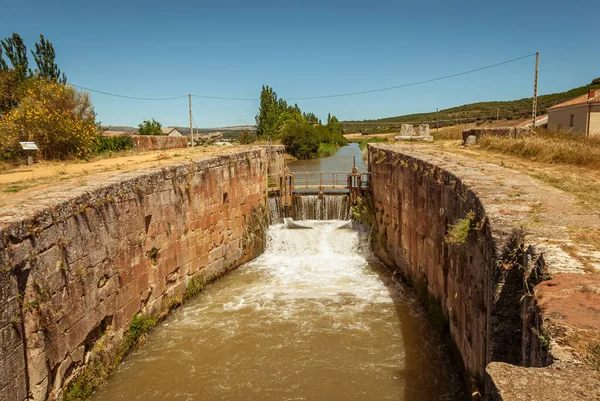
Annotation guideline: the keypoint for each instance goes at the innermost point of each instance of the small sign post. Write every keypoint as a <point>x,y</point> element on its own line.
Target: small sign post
<point>29,147</point>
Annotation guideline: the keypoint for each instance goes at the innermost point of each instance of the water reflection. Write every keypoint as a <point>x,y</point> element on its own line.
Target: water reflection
<point>342,160</point>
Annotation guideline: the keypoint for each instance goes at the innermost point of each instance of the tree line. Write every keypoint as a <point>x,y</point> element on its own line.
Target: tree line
<point>303,134</point>
<point>37,105</point>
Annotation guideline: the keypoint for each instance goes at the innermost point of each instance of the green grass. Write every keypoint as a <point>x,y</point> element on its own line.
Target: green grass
<point>459,232</point>
<point>17,187</point>
<point>327,149</point>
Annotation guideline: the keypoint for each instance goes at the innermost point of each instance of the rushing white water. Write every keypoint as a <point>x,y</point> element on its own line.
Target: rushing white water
<point>275,213</point>
<point>326,207</point>
<point>313,318</point>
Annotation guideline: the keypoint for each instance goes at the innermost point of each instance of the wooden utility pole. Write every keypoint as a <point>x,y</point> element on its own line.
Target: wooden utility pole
<point>191,124</point>
<point>535,85</point>
<point>437,119</point>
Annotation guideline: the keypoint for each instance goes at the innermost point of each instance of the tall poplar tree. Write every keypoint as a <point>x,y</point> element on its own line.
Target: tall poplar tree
<point>268,113</point>
<point>16,52</point>
<point>44,57</point>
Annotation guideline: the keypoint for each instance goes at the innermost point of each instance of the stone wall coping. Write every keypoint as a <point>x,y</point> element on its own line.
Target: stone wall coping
<point>67,196</point>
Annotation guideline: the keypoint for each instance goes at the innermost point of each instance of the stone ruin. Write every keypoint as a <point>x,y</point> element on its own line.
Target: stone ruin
<point>408,133</point>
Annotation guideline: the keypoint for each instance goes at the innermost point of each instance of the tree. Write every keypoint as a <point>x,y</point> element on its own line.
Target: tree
<point>596,81</point>
<point>3,66</point>
<point>336,130</point>
<point>150,127</point>
<point>9,91</point>
<point>301,140</point>
<point>311,118</point>
<point>268,113</point>
<point>44,58</point>
<point>58,118</point>
<point>16,51</point>
<point>246,137</point>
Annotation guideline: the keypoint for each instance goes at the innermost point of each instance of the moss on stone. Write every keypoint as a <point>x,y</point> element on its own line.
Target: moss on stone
<point>103,361</point>
<point>195,287</point>
<point>459,232</point>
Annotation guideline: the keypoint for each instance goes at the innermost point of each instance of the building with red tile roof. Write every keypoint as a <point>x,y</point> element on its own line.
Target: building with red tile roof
<point>579,115</point>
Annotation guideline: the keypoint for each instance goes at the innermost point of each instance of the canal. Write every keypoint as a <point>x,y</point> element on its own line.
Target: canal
<point>316,317</point>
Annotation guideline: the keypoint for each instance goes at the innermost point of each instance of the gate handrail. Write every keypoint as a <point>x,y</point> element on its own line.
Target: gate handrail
<point>319,179</point>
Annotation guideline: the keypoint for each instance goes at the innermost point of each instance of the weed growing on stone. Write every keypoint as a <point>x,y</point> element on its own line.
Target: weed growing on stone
<point>152,254</point>
<point>364,211</point>
<point>15,320</point>
<point>195,287</point>
<point>543,339</point>
<point>102,362</point>
<point>138,328</point>
<point>459,232</point>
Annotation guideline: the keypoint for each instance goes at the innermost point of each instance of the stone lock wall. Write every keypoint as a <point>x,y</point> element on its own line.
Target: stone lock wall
<point>503,290</point>
<point>144,143</point>
<point>76,264</point>
<point>415,203</point>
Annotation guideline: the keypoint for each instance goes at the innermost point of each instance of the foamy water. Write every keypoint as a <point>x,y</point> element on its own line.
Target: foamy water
<point>313,318</point>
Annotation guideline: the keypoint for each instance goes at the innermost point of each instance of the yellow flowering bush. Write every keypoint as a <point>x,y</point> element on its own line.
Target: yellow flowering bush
<point>58,118</point>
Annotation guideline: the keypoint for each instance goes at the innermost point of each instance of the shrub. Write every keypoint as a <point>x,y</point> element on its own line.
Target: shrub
<point>150,127</point>
<point>113,144</point>
<point>300,140</point>
<point>246,137</point>
<point>58,118</point>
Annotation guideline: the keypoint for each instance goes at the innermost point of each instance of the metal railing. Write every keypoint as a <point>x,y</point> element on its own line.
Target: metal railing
<point>320,180</point>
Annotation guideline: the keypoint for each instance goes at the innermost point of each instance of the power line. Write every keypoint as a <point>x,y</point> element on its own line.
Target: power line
<point>127,97</point>
<point>416,122</point>
<point>225,98</point>
<point>313,97</point>
<point>413,83</point>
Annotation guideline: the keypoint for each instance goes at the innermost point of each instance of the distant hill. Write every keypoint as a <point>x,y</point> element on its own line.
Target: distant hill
<point>122,128</point>
<point>481,111</point>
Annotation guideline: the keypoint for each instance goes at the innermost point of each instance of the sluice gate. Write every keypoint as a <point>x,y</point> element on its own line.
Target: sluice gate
<point>315,195</point>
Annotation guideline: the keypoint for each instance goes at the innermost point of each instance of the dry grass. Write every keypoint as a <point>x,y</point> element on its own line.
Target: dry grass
<point>449,133</point>
<point>587,346</point>
<point>581,181</point>
<point>585,235</point>
<point>548,147</point>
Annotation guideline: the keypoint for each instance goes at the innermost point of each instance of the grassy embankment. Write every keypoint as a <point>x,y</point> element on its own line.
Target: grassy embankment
<point>569,162</point>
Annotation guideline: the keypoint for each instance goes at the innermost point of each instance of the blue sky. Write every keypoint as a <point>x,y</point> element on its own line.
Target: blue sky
<point>306,48</point>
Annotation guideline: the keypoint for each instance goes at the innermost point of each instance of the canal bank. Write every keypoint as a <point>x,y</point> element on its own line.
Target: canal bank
<point>85,269</point>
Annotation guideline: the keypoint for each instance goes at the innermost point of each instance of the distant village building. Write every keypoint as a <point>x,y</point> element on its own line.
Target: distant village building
<point>581,114</point>
<point>171,131</point>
